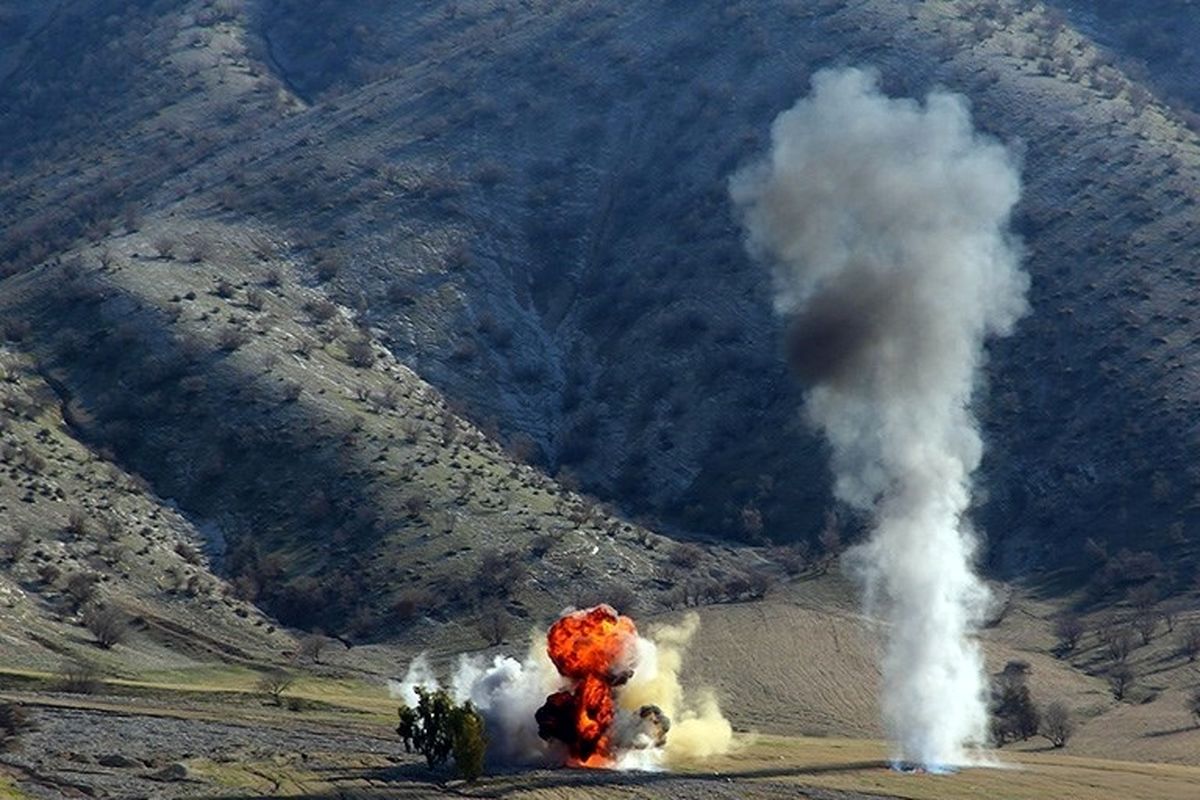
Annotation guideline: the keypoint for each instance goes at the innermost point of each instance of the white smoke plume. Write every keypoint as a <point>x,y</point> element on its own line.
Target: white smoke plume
<point>507,693</point>
<point>885,221</point>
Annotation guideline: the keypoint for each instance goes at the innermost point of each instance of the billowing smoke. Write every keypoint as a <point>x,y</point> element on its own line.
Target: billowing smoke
<point>698,728</point>
<point>543,710</point>
<point>506,692</point>
<point>885,221</point>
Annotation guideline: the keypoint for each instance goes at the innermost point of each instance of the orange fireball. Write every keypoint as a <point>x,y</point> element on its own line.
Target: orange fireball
<point>595,649</point>
<point>595,642</point>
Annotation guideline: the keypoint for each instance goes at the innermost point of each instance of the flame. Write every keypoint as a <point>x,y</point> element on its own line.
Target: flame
<point>595,649</point>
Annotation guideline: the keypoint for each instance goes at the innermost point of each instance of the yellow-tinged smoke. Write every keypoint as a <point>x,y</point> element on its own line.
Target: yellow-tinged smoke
<point>698,728</point>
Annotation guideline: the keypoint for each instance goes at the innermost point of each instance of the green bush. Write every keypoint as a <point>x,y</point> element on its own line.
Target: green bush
<point>438,727</point>
<point>470,741</point>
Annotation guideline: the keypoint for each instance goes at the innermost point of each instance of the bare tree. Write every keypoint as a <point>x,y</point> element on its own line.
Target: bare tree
<point>1170,611</point>
<point>165,247</point>
<point>1057,725</point>
<point>831,542</point>
<point>81,588</point>
<point>312,646</point>
<point>1144,597</point>
<point>79,677</point>
<point>686,555</point>
<point>107,624</point>
<point>1146,623</point>
<point>14,720</point>
<point>1069,629</point>
<point>1189,640</point>
<point>1120,679</point>
<point>1120,643</point>
<point>16,548</point>
<point>274,682</point>
<point>493,623</point>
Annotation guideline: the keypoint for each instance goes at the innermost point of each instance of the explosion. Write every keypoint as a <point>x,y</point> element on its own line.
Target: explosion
<point>596,650</point>
<point>592,692</point>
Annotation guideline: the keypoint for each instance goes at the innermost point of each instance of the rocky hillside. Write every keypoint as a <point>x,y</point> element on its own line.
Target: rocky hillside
<point>321,271</point>
<point>1153,41</point>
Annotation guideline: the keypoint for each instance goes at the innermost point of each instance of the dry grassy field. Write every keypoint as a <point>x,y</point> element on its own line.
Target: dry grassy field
<point>795,674</point>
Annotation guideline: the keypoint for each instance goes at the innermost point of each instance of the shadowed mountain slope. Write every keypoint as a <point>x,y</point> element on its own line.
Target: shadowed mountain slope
<point>527,207</point>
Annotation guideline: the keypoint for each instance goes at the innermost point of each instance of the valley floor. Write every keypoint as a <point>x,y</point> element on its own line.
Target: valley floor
<point>795,674</point>
<point>207,732</point>
<point>151,752</point>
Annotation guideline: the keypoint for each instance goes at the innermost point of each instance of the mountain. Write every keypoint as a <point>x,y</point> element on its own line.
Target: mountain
<point>526,208</point>
<point>414,323</point>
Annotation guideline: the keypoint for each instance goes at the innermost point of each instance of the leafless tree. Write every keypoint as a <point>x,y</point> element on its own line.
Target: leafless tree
<point>1069,629</point>
<point>79,677</point>
<point>1189,640</point>
<point>1193,705</point>
<point>107,624</point>
<point>493,623</point>
<point>165,247</point>
<point>312,646</point>
<point>1120,679</point>
<point>274,682</point>
<point>1146,623</point>
<point>1057,725</point>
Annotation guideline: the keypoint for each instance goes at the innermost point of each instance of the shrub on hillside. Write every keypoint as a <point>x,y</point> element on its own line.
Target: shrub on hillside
<point>1120,680</point>
<point>274,682</point>
<point>79,677</point>
<point>1014,714</point>
<point>493,623</point>
<point>1069,629</point>
<point>499,574</point>
<point>687,555</point>
<point>438,727</point>
<point>81,588</point>
<point>1189,640</point>
<point>1057,725</point>
<point>14,720</point>
<point>107,624</point>
<point>360,353</point>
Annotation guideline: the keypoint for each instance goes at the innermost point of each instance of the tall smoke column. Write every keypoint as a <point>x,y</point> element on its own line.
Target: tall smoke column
<point>885,222</point>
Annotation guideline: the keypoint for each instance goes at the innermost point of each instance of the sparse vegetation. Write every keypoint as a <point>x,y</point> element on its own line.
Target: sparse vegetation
<point>1189,640</point>
<point>1069,629</point>
<point>107,624</point>
<point>274,683</point>
<point>572,353</point>
<point>14,721</point>
<point>312,646</point>
<point>1120,678</point>
<point>1015,717</point>
<point>1057,726</point>
<point>79,677</point>
<point>493,623</point>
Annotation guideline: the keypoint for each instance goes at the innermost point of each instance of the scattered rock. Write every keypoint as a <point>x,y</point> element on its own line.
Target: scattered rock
<point>118,760</point>
<point>172,772</point>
